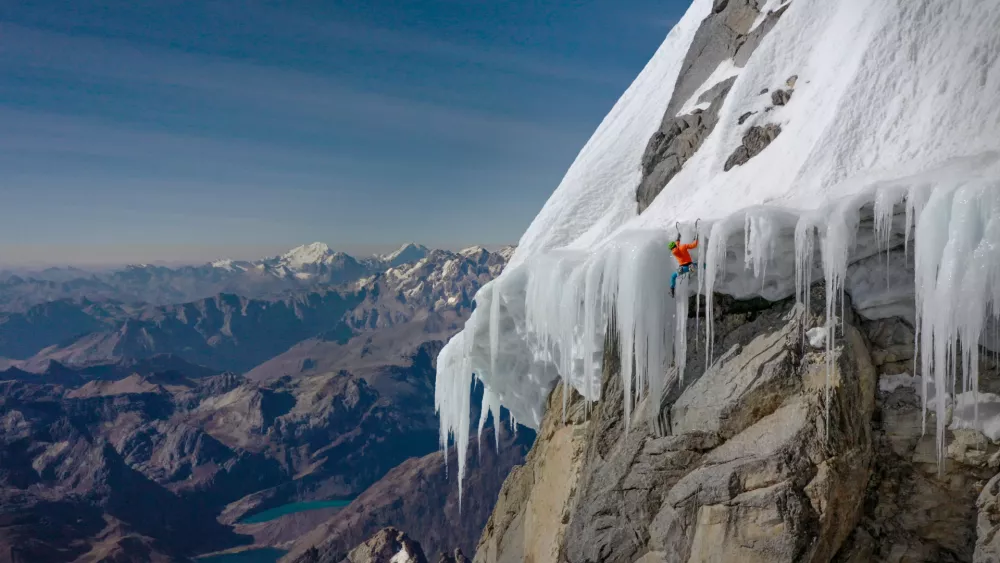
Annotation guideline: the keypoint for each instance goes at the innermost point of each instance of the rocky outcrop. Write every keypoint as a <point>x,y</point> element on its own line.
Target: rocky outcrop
<point>755,140</point>
<point>721,36</point>
<point>676,141</point>
<point>388,546</point>
<point>744,462</point>
<point>916,510</point>
<point>745,470</point>
<point>457,557</point>
<point>531,513</point>
<point>729,32</point>
<point>781,97</point>
<point>988,523</point>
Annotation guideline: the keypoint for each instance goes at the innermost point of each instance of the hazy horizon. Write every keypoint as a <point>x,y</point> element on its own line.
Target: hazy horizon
<point>25,257</point>
<point>134,130</point>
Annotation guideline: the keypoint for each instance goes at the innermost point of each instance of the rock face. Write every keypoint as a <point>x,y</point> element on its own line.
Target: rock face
<point>913,512</point>
<point>388,546</point>
<point>529,521</point>
<point>721,36</point>
<point>677,141</point>
<point>728,33</point>
<point>781,97</point>
<point>755,140</point>
<point>744,462</point>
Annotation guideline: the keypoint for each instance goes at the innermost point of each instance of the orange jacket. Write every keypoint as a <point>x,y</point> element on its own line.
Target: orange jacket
<point>681,253</point>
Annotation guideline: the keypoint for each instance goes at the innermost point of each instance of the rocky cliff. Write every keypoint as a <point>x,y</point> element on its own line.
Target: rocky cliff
<point>744,463</point>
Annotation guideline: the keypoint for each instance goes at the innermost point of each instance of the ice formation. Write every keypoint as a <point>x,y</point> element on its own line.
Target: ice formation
<point>885,183</point>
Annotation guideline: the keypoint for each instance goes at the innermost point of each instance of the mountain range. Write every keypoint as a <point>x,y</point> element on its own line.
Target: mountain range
<point>161,426</point>
<point>301,268</point>
<point>231,332</point>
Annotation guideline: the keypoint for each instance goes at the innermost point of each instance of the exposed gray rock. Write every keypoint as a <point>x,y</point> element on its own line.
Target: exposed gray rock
<point>676,142</point>
<point>745,117</point>
<point>725,33</point>
<point>744,467</point>
<point>913,512</point>
<point>988,523</point>
<point>718,38</point>
<point>756,139</point>
<point>388,545</point>
<point>531,513</point>
<point>745,474</point>
<point>457,557</point>
<point>792,80</point>
<point>753,39</point>
<point>781,97</point>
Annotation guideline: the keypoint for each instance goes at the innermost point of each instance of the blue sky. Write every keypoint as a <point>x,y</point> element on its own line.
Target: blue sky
<point>181,130</point>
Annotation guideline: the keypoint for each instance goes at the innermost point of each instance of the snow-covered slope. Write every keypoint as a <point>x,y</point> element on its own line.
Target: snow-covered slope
<point>406,254</point>
<point>445,279</point>
<point>307,255</point>
<point>596,195</point>
<point>887,136</point>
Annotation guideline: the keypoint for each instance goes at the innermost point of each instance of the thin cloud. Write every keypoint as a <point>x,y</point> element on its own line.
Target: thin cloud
<point>546,66</point>
<point>268,89</point>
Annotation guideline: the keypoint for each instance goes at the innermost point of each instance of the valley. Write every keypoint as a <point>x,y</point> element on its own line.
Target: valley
<point>253,420</point>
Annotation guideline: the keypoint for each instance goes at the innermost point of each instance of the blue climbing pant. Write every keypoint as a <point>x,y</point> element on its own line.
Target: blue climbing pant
<point>686,268</point>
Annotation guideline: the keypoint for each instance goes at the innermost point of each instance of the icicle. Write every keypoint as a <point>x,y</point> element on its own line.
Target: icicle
<point>841,228</point>
<point>931,236</point>
<point>554,318</point>
<point>759,237</point>
<point>495,299</point>
<point>958,282</point>
<point>491,404</point>
<point>595,325</point>
<point>916,200</point>
<point>715,263</point>
<point>680,330</point>
<point>886,200</point>
<point>644,319</point>
<point>805,243</point>
<point>452,396</point>
<point>698,293</point>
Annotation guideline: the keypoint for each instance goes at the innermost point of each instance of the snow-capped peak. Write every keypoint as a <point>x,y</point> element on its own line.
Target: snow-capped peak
<point>315,253</point>
<point>227,265</point>
<point>409,252</point>
<point>472,251</point>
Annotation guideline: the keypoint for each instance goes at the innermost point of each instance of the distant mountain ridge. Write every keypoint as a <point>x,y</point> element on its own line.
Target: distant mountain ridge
<point>303,267</point>
<point>126,430</point>
<point>229,332</point>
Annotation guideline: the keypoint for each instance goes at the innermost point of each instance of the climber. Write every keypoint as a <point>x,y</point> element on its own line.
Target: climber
<point>684,262</point>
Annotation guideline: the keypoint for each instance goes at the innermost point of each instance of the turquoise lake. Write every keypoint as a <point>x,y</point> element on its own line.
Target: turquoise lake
<point>279,511</point>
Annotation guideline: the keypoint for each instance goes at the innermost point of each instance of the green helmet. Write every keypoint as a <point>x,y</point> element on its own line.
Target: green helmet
<point>672,245</point>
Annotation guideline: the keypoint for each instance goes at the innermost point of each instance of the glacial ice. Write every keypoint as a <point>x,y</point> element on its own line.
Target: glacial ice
<point>548,318</point>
